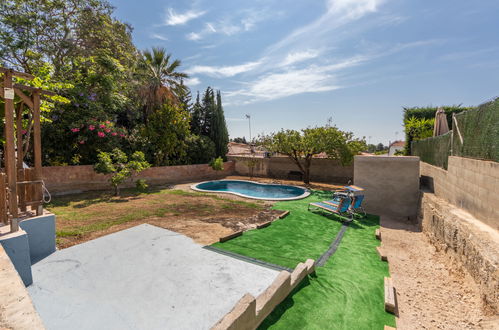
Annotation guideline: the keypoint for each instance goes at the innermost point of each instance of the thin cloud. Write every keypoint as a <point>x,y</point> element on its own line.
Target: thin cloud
<point>337,14</point>
<point>193,81</point>
<point>194,36</point>
<point>243,21</point>
<point>174,18</point>
<point>223,71</point>
<point>158,36</point>
<point>276,85</point>
<point>296,57</point>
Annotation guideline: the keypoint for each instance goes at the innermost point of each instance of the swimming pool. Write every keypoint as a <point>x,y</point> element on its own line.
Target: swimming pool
<point>251,189</point>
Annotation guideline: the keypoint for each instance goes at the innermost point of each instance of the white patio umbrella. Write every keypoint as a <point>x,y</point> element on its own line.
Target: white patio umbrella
<point>441,126</point>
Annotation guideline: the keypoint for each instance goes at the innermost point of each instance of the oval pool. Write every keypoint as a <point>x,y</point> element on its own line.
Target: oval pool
<point>255,190</point>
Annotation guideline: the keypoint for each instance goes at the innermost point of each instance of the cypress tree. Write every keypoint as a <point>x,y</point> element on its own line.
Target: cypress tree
<point>219,133</point>
<point>208,110</point>
<point>197,117</point>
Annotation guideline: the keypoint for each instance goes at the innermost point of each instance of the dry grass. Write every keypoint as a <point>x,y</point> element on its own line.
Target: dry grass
<point>203,217</point>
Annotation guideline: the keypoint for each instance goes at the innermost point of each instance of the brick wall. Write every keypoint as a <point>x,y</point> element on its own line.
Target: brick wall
<point>69,179</point>
<point>470,184</point>
<point>321,169</point>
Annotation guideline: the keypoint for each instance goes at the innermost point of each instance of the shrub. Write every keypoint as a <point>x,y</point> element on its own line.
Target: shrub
<point>217,164</point>
<point>121,168</point>
<point>200,149</point>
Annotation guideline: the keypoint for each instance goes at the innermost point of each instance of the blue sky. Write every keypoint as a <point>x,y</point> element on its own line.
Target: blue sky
<point>293,64</point>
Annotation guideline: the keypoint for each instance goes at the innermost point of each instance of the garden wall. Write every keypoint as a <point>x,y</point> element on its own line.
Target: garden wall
<point>72,179</point>
<point>321,170</point>
<point>459,214</point>
<point>391,184</point>
<point>470,184</point>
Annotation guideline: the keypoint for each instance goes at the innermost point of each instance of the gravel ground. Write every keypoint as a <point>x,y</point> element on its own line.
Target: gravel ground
<point>431,292</point>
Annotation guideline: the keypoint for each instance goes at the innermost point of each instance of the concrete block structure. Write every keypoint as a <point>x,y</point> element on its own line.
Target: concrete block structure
<point>391,184</point>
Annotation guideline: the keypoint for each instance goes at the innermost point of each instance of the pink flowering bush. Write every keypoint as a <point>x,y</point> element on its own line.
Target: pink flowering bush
<point>92,136</point>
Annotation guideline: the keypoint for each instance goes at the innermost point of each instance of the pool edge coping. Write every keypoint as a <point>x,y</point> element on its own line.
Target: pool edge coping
<point>305,194</point>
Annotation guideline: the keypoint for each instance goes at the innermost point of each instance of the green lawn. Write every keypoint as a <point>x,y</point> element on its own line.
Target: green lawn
<point>347,293</point>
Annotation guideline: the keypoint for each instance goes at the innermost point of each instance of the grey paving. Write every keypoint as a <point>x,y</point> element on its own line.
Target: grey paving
<point>144,277</point>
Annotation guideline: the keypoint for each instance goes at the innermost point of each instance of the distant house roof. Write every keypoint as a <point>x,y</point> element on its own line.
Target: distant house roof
<point>244,149</point>
<point>397,144</point>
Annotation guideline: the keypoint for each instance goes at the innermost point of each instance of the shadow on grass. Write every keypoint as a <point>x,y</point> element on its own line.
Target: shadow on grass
<point>82,200</point>
<point>287,303</point>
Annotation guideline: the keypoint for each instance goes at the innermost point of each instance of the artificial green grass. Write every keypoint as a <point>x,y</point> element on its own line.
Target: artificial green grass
<point>294,239</point>
<point>347,293</point>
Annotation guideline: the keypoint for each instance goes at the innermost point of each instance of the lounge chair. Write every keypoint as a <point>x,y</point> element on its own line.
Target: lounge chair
<point>357,205</point>
<point>340,207</point>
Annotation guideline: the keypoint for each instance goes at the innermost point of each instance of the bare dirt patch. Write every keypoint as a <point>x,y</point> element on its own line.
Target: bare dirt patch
<point>431,292</point>
<point>203,217</point>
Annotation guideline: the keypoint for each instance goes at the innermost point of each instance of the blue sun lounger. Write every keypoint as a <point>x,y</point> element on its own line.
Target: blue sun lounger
<point>339,207</point>
<point>356,206</point>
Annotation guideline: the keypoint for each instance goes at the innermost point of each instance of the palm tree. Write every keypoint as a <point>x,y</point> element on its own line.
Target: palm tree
<point>162,80</point>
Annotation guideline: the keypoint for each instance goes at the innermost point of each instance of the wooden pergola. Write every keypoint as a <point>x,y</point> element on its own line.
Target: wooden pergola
<point>20,187</point>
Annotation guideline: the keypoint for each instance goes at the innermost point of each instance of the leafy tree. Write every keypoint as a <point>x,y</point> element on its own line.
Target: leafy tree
<point>197,117</point>
<point>200,149</point>
<point>219,134</point>
<point>58,32</point>
<point>162,80</point>
<point>209,107</point>
<point>419,128</point>
<point>120,167</point>
<point>163,138</point>
<point>302,146</point>
<point>240,140</point>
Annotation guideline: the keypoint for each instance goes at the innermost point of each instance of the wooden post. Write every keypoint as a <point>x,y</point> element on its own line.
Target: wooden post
<point>3,200</point>
<point>10,154</point>
<point>37,149</point>
<point>20,170</point>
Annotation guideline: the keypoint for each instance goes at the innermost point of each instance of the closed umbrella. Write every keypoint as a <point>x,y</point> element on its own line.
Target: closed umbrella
<point>441,125</point>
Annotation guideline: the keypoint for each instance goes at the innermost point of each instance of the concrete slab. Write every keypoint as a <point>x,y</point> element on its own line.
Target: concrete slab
<point>144,277</point>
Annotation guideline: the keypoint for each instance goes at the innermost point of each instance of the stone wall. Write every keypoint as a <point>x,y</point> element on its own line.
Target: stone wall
<point>470,184</point>
<point>391,184</point>
<point>473,245</point>
<point>72,179</point>
<point>321,169</point>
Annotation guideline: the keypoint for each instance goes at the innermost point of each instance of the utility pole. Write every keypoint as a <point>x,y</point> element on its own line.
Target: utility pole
<point>249,124</point>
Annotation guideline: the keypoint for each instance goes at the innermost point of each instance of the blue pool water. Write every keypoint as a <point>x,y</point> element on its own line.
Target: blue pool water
<point>252,189</point>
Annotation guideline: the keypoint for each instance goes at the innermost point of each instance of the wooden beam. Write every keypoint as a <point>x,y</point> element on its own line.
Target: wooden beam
<point>10,154</point>
<point>390,298</point>
<point>20,156</point>
<point>37,147</point>
<point>19,74</point>
<point>26,99</point>
<point>3,200</point>
<point>32,89</point>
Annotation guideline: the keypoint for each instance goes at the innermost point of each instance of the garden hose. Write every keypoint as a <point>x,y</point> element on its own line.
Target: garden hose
<point>47,197</point>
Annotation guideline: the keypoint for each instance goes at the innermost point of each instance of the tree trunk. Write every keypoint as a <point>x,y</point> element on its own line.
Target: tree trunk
<point>306,170</point>
<point>116,190</point>
<point>306,176</point>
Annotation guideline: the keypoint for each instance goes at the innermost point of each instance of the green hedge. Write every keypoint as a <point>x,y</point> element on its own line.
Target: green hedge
<point>479,129</point>
<point>434,150</point>
<point>428,113</point>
